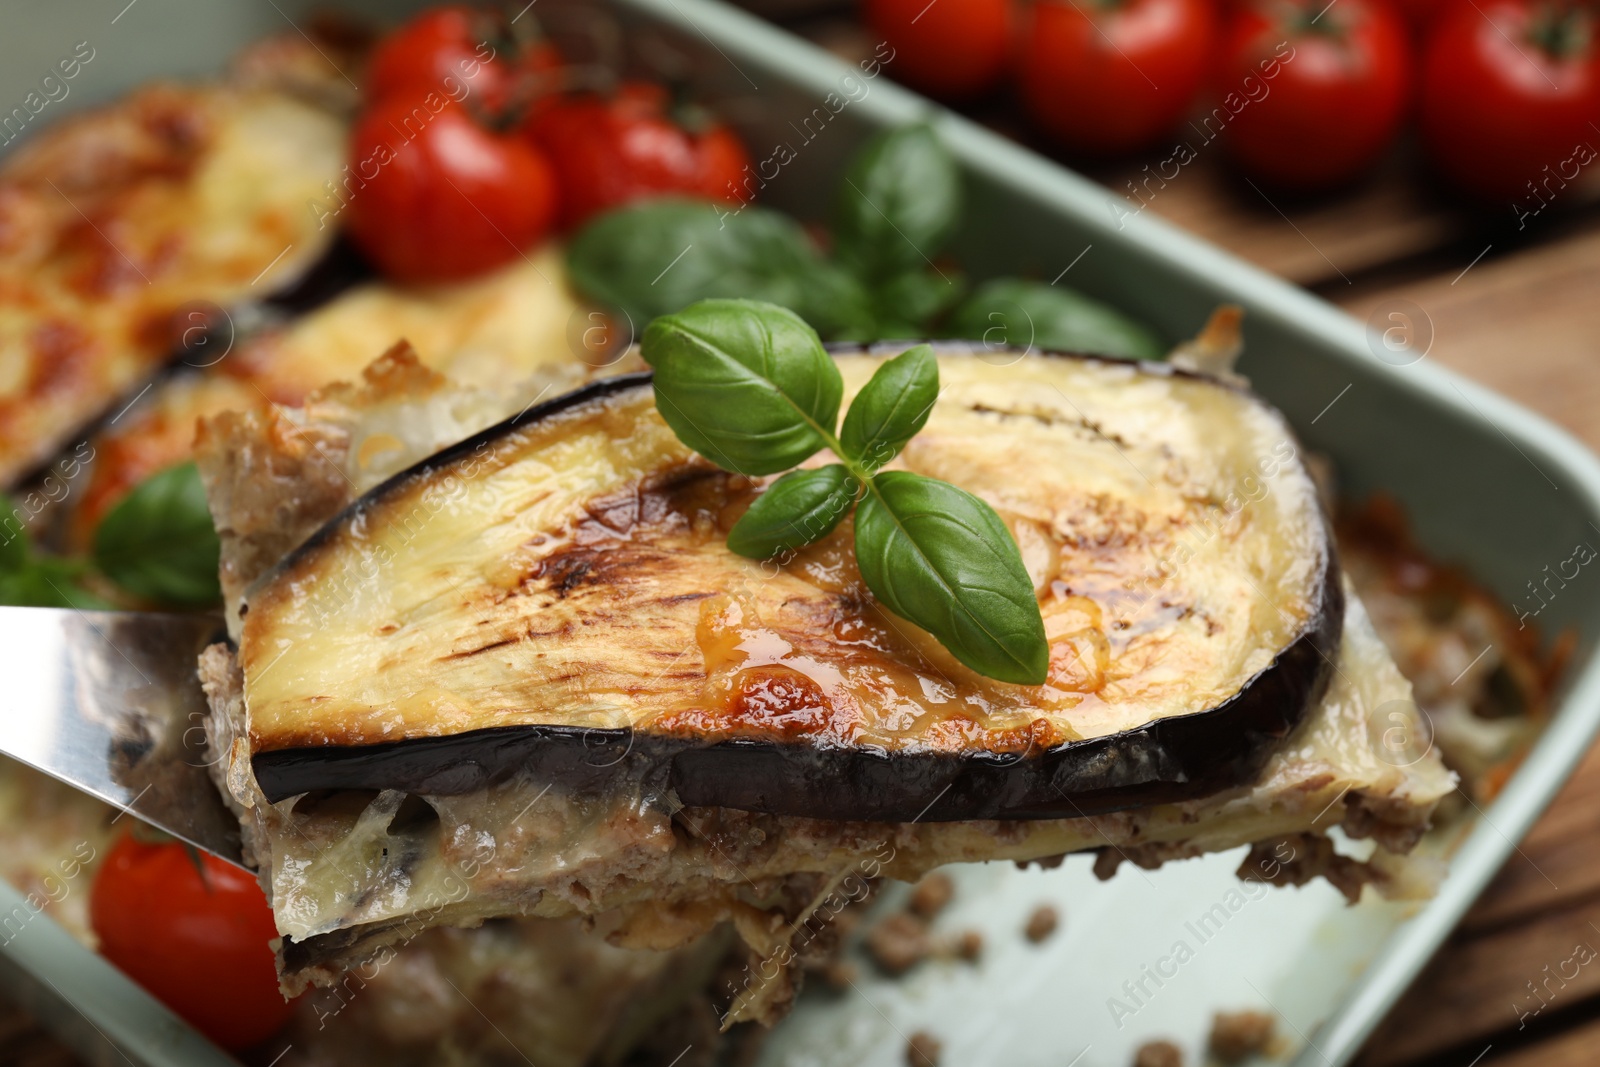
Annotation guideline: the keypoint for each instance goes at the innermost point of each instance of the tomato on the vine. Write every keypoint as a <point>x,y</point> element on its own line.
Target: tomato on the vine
<point>609,150</point>
<point>461,52</point>
<point>436,190</point>
<point>1323,113</point>
<point>1509,88</point>
<point>1113,77</point>
<point>195,934</point>
<point>437,197</point>
<point>950,48</point>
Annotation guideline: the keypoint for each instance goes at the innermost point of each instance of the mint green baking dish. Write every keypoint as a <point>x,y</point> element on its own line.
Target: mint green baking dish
<point>1485,482</point>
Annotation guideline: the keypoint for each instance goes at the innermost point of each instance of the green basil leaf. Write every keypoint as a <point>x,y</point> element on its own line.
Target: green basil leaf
<point>891,408</point>
<point>915,298</point>
<point>836,303</point>
<point>657,257</point>
<point>797,509</point>
<point>747,385</point>
<point>46,582</point>
<point>900,201</point>
<point>33,581</point>
<point>25,587</point>
<point>1020,313</point>
<point>941,558</point>
<point>159,544</point>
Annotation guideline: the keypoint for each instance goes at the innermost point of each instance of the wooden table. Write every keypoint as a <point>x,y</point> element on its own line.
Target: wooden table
<point>1518,311</point>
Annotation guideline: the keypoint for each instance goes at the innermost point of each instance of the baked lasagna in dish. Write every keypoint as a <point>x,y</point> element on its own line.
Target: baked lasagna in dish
<point>512,734</point>
<point>115,224</point>
<point>183,232</point>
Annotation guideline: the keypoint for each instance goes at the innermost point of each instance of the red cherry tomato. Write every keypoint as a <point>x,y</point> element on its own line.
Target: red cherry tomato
<point>436,197</point>
<point>452,51</point>
<point>609,151</point>
<point>198,942</point>
<point>1509,89</point>
<point>1113,77</point>
<point>949,49</point>
<point>1316,91</point>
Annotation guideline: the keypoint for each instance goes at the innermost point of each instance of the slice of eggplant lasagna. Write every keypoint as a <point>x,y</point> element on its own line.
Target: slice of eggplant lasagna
<point>524,675</point>
<point>126,226</point>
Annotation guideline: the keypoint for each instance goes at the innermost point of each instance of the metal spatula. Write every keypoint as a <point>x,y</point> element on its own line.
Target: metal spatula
<point>109,703</point>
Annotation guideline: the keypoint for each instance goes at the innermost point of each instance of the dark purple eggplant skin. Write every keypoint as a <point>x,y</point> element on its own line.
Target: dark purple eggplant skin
<point>1182,757</point>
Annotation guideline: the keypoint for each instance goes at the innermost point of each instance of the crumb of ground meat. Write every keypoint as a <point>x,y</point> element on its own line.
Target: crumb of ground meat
<point>1044,863</point>
<point>930,895</point>
<point>839,974</point>
<point>1106,862</point>
<point>923,1050</point>
<point>898,943</point>
<point>966,946</point>
<point>1237,1034</point>
<point>969,946</point>
<point>1041,924</point>
<point>1158,1054</point>
<point>1148,856</point>
<point>1298,858</point>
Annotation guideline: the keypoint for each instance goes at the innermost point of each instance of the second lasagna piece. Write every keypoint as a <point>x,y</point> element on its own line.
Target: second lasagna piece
<point>116,221</point>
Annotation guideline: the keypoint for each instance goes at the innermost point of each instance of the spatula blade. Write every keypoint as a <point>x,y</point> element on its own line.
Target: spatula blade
<point>109,703</point>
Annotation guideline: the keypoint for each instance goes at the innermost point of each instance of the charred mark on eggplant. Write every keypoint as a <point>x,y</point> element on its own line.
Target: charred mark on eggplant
<point>566,572</point>
<point>490,647</point>
<point>1094,429</point>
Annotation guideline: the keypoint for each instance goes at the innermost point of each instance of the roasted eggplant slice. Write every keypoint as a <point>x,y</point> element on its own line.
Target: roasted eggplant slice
<point>555,594</point>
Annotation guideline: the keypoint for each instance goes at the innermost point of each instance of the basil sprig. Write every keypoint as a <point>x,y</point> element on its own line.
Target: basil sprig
<point>749,386</point>
<point>897,207</point>
<point>28,579</point>
<point>1023,314</point>
<point>158,542</point>
<point>659,256</point>
<point>900,202</point>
